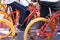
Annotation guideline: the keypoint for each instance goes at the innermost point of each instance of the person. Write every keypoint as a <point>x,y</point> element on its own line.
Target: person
<point>54,5</point>
<point>26,4</point>
<point>45,4</point>
<point>22,7</point>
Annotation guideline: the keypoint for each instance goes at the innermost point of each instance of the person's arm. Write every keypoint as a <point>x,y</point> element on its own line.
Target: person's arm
<point>18,0</point>
<point>29,1</point>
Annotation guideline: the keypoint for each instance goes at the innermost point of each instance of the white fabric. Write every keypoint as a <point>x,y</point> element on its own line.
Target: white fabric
<point>1,16</point>
<point>24,2</point>
<point>9,1</point>
<point>50,0</point>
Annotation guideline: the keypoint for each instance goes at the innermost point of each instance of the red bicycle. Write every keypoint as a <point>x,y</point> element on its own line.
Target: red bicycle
<point>34,13</point>
<point>46,31</point>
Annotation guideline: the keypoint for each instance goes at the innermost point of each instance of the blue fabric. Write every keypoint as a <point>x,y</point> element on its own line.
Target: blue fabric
<point>22,10</point>
<point>58,30</point>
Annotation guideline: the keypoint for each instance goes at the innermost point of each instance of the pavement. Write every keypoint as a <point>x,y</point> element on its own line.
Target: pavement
<point>21,33</point>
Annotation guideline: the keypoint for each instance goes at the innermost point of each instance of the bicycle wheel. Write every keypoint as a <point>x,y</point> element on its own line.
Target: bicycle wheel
<point>6,26</point>
<point>29,33</point>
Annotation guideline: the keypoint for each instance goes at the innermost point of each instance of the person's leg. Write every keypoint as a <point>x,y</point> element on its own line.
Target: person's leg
<point>19,4</point>
<point>23,14</point>
<point>22,10</point>
<point>44,10</point>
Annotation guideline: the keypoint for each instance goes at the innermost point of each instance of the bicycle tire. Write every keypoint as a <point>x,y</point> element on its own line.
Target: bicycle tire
<point>12,31</point>
<point>31,23</point>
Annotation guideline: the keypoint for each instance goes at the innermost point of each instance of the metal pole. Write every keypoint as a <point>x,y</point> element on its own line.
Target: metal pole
<point>50,11</point>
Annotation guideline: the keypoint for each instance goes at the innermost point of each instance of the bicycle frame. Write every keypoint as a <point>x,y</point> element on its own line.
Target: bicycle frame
<point>9,22</point>
<point>52,21</point>
<point>15,19</point>
<point>33,12</point>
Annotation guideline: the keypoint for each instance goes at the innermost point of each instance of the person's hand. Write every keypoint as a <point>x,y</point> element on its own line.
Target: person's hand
<point>18,0</point>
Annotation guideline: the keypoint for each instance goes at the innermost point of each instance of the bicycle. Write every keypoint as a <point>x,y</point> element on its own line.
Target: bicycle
<point>34,12</point>
<point>6,23</point>
<point>46,31</point>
